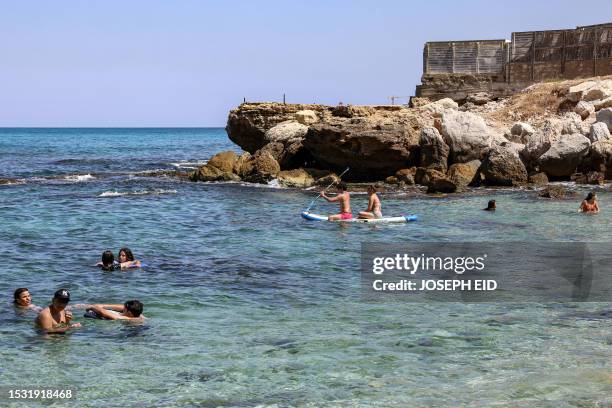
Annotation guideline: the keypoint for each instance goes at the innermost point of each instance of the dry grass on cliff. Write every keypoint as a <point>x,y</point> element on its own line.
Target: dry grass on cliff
<point>535,103</point>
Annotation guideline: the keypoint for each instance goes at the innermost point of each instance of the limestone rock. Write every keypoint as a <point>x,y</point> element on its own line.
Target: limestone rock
<point>391,180</point>
<point>577,92</point>
<point>605,116</point>
<point>243,165</point>
<point>503,167</point>
<point>437,108</point>
<point>464,174</point>
<point>211,173</point>
<point>299,178</point>
<point>601,156</point>
<point>479,98</point>
<point>584,109</point>
<point>436,181</point>
<point>306,117</point>
<point>564,155</point>
<point>433,150</point>
<point>556,192</point>
<point>539,179</point>
<point>406,175</point>
<point>286,131</point>
<point>599,131</point>
<point>466,134</point>
<point>522,130</point>
<point>264,167</point>
<point>224,161</point>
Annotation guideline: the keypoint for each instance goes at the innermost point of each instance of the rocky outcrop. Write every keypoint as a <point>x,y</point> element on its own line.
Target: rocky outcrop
<point>564,155</point>
<point>438,107</point>
<point>373,147</point>
<point>306,117</point>
<point>224,161</point>
<point>503,167</point>
<point>433,151</point>
<point>248,124</point>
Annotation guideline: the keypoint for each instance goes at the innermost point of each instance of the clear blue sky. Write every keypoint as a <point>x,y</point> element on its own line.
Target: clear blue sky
<point>186,63</point>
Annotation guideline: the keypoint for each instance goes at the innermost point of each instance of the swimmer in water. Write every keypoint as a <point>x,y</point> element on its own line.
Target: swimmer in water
<point>55,319</point>
<point>22,299</point>
<point>344,198</point>
<point>490,206</point>
<point>589,204</point>
<point>130,310</point>
<point>109,264</point>
<point>126,259</point>
<point>373,210</point>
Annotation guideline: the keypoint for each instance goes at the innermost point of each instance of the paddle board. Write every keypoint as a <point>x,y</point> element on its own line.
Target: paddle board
<point>404,218</point>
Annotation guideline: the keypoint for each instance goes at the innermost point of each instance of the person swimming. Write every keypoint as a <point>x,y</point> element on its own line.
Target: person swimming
<point>373,210</point>
<point>126,259</point>
<point>490,206</point>
<point>55,319</point>
<point>344,198</point>
<point>589,204</point>
<point>110,264</point>
<point>22,299</point>
<point>130,310</point>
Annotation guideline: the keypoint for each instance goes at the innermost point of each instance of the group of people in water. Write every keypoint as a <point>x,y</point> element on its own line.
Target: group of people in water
<point>343,198</point>
<point>56,318</point>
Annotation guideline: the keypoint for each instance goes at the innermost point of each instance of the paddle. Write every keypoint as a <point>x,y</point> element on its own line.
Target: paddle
<point>332,183</point>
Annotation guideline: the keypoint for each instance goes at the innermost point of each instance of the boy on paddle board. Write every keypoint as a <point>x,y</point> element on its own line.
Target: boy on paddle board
<point>373,210</point>
<point>344,198</point>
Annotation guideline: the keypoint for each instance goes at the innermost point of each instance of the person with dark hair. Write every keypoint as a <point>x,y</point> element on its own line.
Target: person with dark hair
<point>55,319</point>
<point>373,210</point>
<point>490,206</point>
<point>344,198</point>
<point>130,310</point>
<point>126,259</point>
<point>22,298</point>
<point>589,204</point>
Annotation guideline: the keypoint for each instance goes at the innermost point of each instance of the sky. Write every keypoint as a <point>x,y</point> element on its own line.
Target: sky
<point>187,63</point>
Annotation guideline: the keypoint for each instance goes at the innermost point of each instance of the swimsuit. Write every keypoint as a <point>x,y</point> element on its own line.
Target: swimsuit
<point>346,216</point>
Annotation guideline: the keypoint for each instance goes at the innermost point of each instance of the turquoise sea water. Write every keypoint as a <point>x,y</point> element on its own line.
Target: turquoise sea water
<point>251,306</point>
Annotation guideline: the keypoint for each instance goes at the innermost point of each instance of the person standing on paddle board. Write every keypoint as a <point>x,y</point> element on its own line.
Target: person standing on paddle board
<point>373,210</point>
<point>344,198</point>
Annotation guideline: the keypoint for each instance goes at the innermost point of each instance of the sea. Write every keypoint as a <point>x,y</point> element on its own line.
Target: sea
<point>249,305</point>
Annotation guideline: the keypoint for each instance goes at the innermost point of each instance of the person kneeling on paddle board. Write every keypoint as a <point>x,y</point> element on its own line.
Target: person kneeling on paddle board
<point>373,210</point>
<point>345,203</point>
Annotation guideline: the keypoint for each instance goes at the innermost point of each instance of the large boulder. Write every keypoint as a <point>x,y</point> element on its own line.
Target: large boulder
<point>299,178</point>
<point>479,98</point>
<point>436,181</point>
<point>224,161</point>
<point>243,165</point>
<point>605,116</point>
<point>601,157</point>
<point>599,131</point>
<point>503,167</point>
<point>263,167</point>
<point>406,175</point>
<point>285,132</point>
<point>466,134</point>
<point>373,147</point>
<point>306,117</point>
<point>433,150</point>
<point>584,109</point>
<point>438,107</point>
<point>564,155</point>
<point>464,174</point>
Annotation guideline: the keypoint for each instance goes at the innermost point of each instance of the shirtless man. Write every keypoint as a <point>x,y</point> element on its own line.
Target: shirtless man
<point>373,210</point>
<point>130,310</point>
<point>55,319</point>
<point>345,203</point>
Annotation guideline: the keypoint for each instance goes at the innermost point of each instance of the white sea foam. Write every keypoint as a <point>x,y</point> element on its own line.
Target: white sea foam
<point>189,165</point>
<point>79,177</point>
<point>157,191</point>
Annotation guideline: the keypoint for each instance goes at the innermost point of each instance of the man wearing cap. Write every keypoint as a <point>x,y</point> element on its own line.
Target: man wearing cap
<point>55,318</point>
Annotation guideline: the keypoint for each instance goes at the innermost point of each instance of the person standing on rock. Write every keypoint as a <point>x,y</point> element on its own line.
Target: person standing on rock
<point>589,204</point>
<point>344,198</point>
<point>373,210</point>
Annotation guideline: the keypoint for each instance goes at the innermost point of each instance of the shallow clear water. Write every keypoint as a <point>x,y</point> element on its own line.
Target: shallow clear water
<point>249,305</point>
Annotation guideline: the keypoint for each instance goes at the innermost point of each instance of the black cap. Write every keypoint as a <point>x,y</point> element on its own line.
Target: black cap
<point>62,294</point>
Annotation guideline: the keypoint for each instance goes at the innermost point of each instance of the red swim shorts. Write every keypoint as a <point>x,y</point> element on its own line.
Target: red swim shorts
<point>346,216</point>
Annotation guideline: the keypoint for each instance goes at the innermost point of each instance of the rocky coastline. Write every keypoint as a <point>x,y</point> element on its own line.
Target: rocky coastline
<point>557,131</point>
